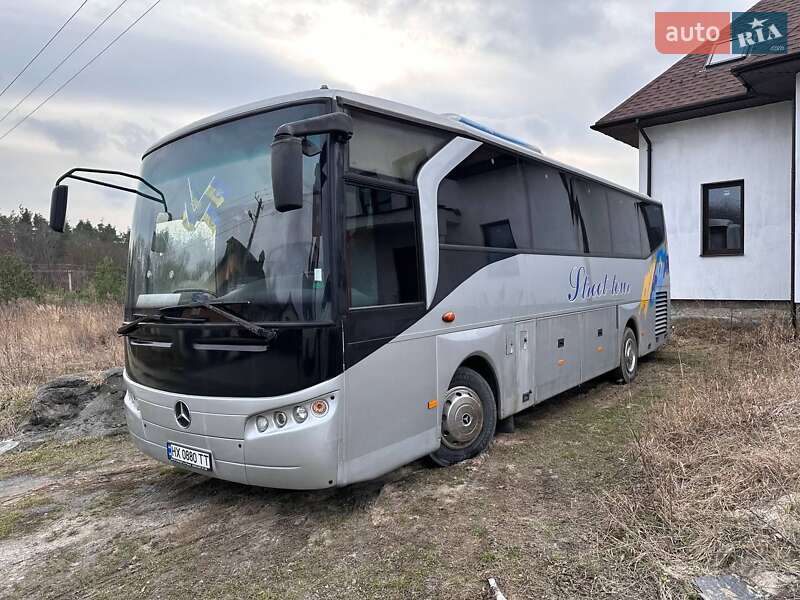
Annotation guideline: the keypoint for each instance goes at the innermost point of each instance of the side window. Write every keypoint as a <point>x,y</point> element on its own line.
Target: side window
<point>482,202</point>
<point>381,246</point>
<point>593,205</point>
<point>391,149</point>
<point>653,226</point>
<point>626,239</point>
<point>554,222</point>
<point>723,218</point>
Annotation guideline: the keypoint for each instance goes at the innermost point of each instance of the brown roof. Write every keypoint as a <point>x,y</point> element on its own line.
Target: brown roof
<point>687,84</point>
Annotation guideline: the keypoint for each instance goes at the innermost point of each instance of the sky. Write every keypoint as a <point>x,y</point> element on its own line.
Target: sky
<point>539,70</point>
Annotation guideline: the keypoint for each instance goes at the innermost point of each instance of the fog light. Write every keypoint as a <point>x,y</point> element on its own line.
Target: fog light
<point>280,418</point>
<point>262,423</point>
<point>300,413</point>
<point>319,408</point>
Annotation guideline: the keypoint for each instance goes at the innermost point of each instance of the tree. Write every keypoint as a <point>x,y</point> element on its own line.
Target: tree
<point>109,279</point>
<point>16,280</point>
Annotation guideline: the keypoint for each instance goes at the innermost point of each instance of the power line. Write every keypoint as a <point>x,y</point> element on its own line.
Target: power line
<point>81,70</point>
<point>43,48</point>
<point>63,60</point>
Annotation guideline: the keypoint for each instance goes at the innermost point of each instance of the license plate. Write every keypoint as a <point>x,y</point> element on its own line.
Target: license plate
<point>183,455</point>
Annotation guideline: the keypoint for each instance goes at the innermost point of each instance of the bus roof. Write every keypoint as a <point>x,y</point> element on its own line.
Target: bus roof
<point>450,122</point>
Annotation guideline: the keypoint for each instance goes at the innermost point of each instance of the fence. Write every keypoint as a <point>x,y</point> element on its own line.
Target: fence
<point>65,277</point>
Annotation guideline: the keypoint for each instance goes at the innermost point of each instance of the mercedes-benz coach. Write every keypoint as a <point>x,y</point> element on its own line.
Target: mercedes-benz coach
<point>325,286</point>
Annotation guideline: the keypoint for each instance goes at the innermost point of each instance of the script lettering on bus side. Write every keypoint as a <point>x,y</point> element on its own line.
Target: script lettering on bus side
<point>583,287</point>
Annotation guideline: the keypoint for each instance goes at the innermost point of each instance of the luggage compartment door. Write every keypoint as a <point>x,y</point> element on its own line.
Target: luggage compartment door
<point>525,333</point>
<point>600,343</point>
<point>558,354</point>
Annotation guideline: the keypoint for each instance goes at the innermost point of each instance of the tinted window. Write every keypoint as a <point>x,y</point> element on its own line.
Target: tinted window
<point>723,218</point>
<point>653,225</point>
<point>482,203</point>
<point>593,205</point>
<point>388,148</point>
<point>381,247</point>
<point>625,235</point>
<point>554,222</point>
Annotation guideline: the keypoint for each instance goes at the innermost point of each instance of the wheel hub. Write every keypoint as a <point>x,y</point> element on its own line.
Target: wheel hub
<point>630,355</point>
<point>462,417</point>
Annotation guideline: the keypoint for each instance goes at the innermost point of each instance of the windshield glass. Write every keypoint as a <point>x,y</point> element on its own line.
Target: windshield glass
<point>225,241</point>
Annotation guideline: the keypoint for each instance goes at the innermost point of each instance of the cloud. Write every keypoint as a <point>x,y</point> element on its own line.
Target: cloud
<point>538,70</point>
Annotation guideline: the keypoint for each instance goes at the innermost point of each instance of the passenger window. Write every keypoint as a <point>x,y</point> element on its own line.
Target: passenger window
<point>626,239</point>
<point>593,205</point>
<point>653,223</point>
<point>381,147</point>
<point>555,224</point>
<point>381,247</point>
<point>482,202</point>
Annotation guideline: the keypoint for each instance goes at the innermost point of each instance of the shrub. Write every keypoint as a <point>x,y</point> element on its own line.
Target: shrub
<point>16,280</point>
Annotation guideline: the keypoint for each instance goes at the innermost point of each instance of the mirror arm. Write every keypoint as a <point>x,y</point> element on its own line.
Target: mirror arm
<point>70,175</point>
<point>338,122</point>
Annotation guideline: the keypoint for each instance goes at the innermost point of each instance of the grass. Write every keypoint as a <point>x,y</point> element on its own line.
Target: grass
<point>714,459</point>
<point>26,515</point>
<point>60,458</point>
<point>43,341</point>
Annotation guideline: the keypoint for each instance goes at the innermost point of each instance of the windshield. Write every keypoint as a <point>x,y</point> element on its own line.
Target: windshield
<point>225,241</point>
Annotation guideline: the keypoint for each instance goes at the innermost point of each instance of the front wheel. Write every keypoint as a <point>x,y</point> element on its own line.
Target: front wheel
<point>628,357</point>
<point>469,418</point>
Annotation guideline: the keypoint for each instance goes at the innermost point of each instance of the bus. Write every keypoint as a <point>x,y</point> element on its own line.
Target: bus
<point>325,286</point>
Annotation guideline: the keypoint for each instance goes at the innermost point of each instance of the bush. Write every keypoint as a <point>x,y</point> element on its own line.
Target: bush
<point>16,280</point>
<point>109,280</point>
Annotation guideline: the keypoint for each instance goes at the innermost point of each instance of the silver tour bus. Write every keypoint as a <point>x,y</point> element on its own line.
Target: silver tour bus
<point>325,286</point>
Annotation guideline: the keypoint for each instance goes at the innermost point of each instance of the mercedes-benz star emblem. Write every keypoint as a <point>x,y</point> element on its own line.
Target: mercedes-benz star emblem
<point>182,415</point>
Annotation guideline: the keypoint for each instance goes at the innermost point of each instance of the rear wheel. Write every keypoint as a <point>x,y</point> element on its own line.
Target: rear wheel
<point>628,357</point>
<point>469,418</point>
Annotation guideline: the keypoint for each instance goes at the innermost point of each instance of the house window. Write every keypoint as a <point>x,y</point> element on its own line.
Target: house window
<point>721,54</point>
<point>723,218</point>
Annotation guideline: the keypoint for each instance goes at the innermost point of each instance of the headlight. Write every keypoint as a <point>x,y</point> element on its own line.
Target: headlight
<point>280,418</point>
<point>319,408</point>
<point>262,423</point>
<point>300,413</point>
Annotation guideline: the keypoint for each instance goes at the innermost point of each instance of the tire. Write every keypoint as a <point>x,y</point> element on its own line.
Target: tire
<point>469,418</point>
<point>628,357</point>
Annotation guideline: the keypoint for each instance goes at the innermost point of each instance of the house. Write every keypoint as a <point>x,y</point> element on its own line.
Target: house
<point>717,141</point>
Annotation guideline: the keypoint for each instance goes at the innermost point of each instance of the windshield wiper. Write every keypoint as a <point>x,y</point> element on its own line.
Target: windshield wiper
<point>267,334</point>
<point>130,327</point>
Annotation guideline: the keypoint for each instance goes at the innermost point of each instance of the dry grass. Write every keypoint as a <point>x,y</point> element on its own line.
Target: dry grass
<point>718,481</point>
<point>42,341</point>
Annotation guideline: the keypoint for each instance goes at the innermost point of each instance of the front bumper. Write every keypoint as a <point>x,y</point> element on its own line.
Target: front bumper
<point>297,456</point>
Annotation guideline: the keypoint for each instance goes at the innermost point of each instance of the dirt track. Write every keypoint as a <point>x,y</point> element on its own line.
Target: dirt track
<point>96,519</point>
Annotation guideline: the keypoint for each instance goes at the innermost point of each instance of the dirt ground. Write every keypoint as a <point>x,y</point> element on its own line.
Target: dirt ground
<point>95,519</point>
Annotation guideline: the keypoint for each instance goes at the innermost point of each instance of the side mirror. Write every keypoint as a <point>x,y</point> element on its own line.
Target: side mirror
<point>58,208</point>
<point>289,146</point>
<point>287,173</point>
<point>159,241</point>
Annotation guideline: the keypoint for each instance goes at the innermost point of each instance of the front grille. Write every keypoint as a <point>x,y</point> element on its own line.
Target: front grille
<point>662,309</point>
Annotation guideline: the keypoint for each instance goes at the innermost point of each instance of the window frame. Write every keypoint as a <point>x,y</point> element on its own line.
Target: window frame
<point>704,238</point>
<point>358,179</point>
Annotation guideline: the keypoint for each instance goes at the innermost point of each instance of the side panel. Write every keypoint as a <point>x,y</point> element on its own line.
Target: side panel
<point>558,354</point>
<point>387,419</point>
<point>600,341</point>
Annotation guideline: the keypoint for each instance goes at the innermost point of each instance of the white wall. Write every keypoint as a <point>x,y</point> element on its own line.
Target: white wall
<point>753,144</point>
<point>797,189</point>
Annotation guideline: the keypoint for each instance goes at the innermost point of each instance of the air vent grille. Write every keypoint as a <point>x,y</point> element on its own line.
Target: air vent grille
<point>661,317</point>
